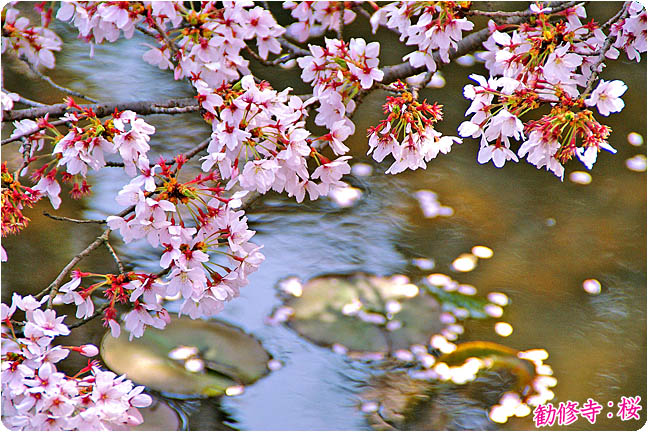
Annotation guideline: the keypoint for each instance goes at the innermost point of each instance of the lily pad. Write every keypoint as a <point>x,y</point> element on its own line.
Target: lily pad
<point>473,304</point>
<point>370,316</point>
<point>356,311</point>
<point>188,357</point>
<point>505,385</point>
<point>159,416</point>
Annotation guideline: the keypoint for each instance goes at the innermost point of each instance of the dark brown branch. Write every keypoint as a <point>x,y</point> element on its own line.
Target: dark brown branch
<point>52,289</point>
<point>173,49</point>
<point>104,109</point>
<point>616,17</point>
<point>98,312</point>
<point>112,252</point>
<point>340,31</point>
<point>67,219</point>
<point>292,48</point>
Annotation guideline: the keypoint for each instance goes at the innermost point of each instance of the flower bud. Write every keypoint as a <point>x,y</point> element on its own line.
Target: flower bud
<point>88,350</point>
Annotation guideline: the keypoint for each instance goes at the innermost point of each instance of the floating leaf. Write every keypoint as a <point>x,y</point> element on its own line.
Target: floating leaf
<point>159,416</point>
<point>505,384</point>
<point>365,314</point>
<point>169,360</point>
<point>371,317</point>
<point>473,304</point>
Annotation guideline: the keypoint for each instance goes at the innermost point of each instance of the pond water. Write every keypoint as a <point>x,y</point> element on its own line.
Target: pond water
<point>547,236</point>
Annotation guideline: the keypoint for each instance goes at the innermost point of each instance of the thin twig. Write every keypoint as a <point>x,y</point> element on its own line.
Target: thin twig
<point>31,132</point>
<point>257,57</point>
<point>67,219</point>
<point>340,29</point>
<point>120,265</point>
<point>173,49</point>
<point>424,83</point>
<point>98,312</point>
<point>57,86</point>
<point>52,289</point>
<point>616,17</point>
<point>601,57</point>
<point>292,48</point>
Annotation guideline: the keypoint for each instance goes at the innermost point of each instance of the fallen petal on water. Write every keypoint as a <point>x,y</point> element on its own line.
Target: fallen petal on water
<point>234,390</point>
<point>369,407</point>
<point>194,365</point>
<point>465,263</point>
<point>498,298</point>
<point>423,263</point>
<point>291,286</point>
<point>580,177</point>
<point>361,169</point>
<point>592,286</point>
<point>182,352</point>
<point>274,365</point>
<point>503,329</point>
<point>635,139</point>
<point>637,163</point>
<point>493,310</point>
<point>482,252</point>
<point>466,60</point>
<point>345,196</point>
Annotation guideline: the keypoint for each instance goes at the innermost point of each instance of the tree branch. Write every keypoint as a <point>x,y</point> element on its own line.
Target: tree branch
<point>31,131</point>
<point>67,219</point>
<point>52,289</point>
<point>171,106</point>
<point>112,252</point>
<point>340,31</point>
<point>98,312</point>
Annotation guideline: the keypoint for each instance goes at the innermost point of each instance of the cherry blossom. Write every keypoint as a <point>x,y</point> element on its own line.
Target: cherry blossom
<point>607,97</point>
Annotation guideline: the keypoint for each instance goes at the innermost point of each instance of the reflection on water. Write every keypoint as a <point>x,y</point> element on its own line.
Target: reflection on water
<point>547,239</point>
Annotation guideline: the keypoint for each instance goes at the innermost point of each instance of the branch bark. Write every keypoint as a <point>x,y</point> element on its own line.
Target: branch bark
<point>53,288</point>
<point>171,106</point>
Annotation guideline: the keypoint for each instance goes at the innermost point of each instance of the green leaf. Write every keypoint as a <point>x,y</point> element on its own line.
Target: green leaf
<point>230,357</point>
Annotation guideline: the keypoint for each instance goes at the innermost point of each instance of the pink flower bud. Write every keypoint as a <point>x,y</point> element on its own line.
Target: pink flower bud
<point>88,350</point>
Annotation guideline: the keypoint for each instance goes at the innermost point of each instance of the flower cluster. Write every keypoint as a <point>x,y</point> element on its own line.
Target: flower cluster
<point>99,21</point>
<point>209,43</point>
<point>315,18</point>
<point>214,228</point>
<point>265,130</point>
<point>85,145</point>
<point>544,62</point>
<point>35,43</point>
<point>206,42</point>
<point>438,27</point>
<point>36,396</point>
<point>630,32</point>
<point>338,72</point>
<point>15,197</point>
<point>414,122</point>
